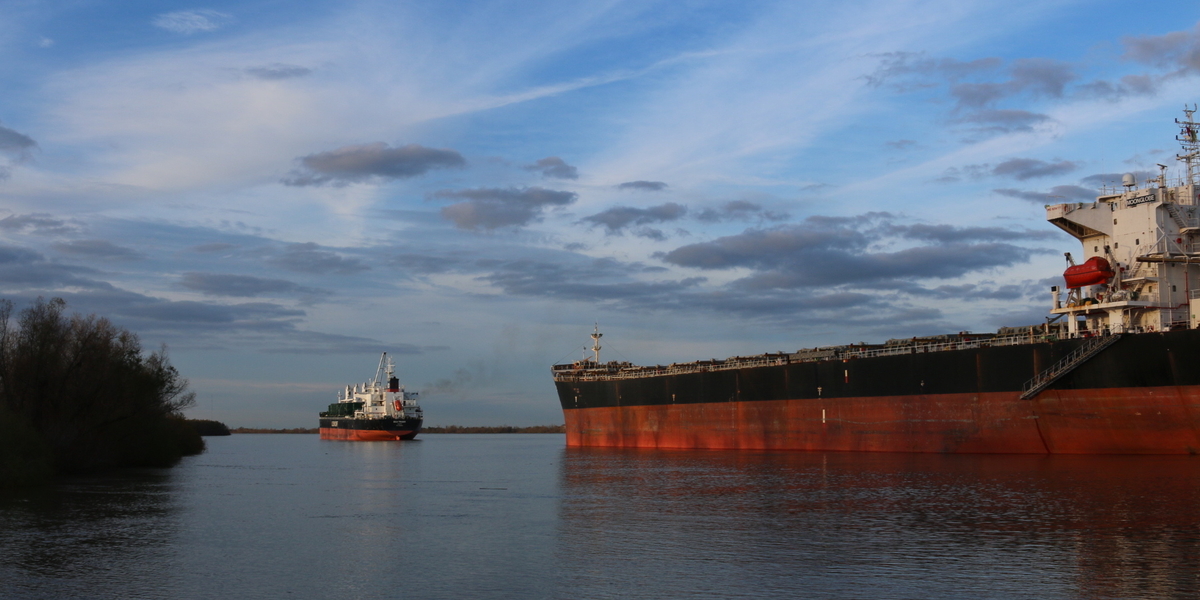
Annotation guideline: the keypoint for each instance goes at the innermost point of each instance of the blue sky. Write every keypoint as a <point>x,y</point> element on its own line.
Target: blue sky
<point>280,191</point>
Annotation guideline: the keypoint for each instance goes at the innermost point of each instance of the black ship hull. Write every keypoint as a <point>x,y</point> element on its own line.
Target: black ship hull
<point>1141,394</point>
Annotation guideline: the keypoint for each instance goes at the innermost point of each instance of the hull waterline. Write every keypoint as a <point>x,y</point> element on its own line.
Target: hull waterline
<point>367,435</point>
<point>1102,421</point>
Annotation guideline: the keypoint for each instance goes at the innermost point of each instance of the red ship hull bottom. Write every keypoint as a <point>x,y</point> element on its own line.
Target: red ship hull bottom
<point>365,435</point>
<point>1153,420</point>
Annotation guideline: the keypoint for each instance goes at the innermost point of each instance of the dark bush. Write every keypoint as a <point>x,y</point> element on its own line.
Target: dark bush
<point>25,458</point>
<point>87,391</point>
<point>206,427</point>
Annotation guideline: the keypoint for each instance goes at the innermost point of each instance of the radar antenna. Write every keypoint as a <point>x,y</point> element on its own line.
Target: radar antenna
<point>596,335</point>
<point>1189,132</point>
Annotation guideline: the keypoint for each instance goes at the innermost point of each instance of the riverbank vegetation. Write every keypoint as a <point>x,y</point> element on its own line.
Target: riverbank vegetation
<point>77,394</point>
<point>206,427</point>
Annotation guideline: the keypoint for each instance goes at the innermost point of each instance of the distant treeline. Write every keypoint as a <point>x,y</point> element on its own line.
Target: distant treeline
<point>500,429</point>
<point>261,430</point>
<point>77,394</point>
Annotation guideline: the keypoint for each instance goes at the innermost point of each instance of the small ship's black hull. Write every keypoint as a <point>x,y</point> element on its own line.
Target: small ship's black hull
<point>369,430</point>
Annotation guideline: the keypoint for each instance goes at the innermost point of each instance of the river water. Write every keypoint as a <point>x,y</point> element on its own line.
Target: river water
<point>522,516</point>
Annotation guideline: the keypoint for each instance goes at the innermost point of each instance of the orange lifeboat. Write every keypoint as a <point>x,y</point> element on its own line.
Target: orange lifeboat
<point>1094,271</point>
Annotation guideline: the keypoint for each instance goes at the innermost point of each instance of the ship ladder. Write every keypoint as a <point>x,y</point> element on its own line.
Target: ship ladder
<point>1186,225</point>
<point>1070,362</point>
<point>1174,212</point>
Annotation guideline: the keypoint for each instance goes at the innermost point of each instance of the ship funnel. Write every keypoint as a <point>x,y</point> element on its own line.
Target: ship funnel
<point>1128,180</point>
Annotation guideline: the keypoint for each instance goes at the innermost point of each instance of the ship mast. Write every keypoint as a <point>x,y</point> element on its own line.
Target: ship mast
<point>596,335</point>
<point>1189,131</point>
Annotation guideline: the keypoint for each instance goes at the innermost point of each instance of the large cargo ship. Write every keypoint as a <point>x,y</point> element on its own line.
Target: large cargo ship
<point>1115,369</point>
<point>371,412</point>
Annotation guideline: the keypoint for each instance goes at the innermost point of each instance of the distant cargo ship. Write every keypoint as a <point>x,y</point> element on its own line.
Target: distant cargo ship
<point>1115,370</point>
<point>372,412</point>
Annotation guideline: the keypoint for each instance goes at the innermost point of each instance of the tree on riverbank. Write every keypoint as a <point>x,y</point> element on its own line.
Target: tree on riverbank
<point>78,394</point>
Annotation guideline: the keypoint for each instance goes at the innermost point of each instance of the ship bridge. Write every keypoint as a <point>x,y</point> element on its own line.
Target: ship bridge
<point>1139,269</point>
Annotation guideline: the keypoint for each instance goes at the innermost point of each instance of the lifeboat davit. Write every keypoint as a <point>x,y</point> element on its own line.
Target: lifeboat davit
<point>1095,271</point>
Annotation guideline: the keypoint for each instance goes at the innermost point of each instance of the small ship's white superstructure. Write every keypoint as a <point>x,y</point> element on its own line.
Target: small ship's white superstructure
<point>383,396</point>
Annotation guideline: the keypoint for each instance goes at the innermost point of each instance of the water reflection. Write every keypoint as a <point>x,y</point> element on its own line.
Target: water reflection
<point>716,524</point>
<point>512,516</point>
<point>89,537</point>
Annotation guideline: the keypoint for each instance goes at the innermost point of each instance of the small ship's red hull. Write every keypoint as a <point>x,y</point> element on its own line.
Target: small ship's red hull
<point>366,435</point>
<point>1155,420</point>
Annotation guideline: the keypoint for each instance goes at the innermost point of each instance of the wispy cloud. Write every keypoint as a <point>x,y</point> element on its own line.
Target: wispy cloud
<point>1030,168</point>
<point>1020,169</point>
<point>642,185</point>
<point>354,164</point>
<point>15,143</point>
<point>740,210</point>
<point>98,250</point>
<point>242,286</point>
<point>309,257</point>
<point>1056,195</point>
<point>1004,120</point>
<point>839,251</point>
<point>276,71</point>
<point>188,22</point>
<point>493,208</point>
<point>37,223</point>
<point>618,218</point>
<point>555,168</point>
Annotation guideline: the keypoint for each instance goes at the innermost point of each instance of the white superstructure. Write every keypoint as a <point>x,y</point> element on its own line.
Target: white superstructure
<point>1141,252</point>
<point>383,396</point>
